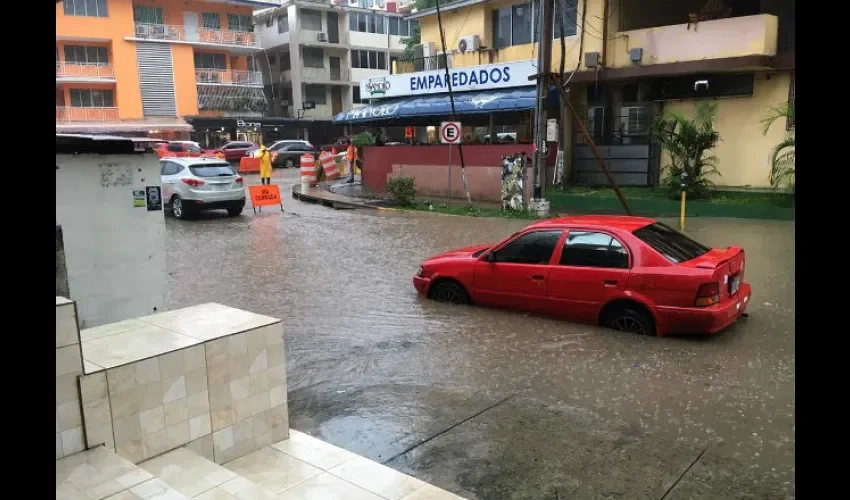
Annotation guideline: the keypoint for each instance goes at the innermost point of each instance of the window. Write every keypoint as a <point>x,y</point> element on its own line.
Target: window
<point>171,168</point>
<point>214,170</point>
<point>175,147</point>
<point>211,20</point>
<point>394,25</point>
<point>269,22</point>
<point>192,148</point>
<point>570,16</point>
<point>311,19</point>
<point>531,248</point>
<point>205,60</point>
<point>502,27</point>
<point>380,25</point>
<point>382,60</point>
<point>355,95</point>
<point>85,98</point>
<point>147,14</point>
<point>298,147</point>
<point>283,24</point>
<point>315,93</point>
<point>521,24</point>
<point>239,22</point>
<point>591,249</point>
<point>368,59</point>
<point>673,245</point>
<point>313,57</point>
<point>77,54</point>
<point>364,22</point>
<point>89,8</point>
<point>272,59</point>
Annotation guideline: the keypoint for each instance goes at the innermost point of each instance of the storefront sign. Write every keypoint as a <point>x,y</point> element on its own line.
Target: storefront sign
<point>378,111</point>
<point>486,77</point>
<point>243,124</point>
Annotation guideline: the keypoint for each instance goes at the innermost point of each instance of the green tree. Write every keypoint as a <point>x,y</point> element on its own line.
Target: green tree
<point>783,155</point>
<point>415,37</point>
<point>688,142</point>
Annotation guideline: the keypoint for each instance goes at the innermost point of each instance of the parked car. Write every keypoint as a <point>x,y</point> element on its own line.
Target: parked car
<point>190,185</point>
<point>277,145</point>
<point>289,155</point>
<point>235,150</point>
<point>147,143</point>
<point>627,273</point>
<point>340,145</point>
<point>179,149</point>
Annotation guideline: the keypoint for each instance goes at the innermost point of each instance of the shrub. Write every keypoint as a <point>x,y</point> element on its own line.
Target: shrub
<point>402,190</point>
<point>783,155</point>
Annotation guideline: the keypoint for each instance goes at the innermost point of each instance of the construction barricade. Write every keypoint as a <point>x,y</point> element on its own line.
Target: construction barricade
<point>329,167</point>
<point>308,169</point>
<point>249,165</point>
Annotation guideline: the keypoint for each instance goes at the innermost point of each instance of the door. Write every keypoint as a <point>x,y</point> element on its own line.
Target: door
<point>333,27</point>
<point>336,100</point>
<point>190,23</point>
<point>515,275</point>
<point>592,269</point>
<point>336,74</point>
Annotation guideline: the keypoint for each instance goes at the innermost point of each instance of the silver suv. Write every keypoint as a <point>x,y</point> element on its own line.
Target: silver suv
<point>190,185</point>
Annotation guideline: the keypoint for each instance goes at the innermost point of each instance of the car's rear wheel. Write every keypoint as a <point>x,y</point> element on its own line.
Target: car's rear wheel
<point>288,163</point>
<point>630,320</point>
<point>234,211</point>
<point>450,292</point>
<point>179,209</point>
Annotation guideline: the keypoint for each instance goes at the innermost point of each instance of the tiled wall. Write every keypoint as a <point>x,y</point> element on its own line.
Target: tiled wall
<point>224,399</point>
<point>69,367</point>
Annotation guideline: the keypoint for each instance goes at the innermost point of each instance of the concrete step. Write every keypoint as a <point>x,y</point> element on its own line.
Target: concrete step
<point>100,474</point>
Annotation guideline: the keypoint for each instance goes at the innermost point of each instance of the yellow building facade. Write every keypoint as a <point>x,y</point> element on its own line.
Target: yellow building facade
<point>631,60</point>
<point>140,67</point>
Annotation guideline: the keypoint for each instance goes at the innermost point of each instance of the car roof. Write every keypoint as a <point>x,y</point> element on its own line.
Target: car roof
<point>194,162</point>
<point>623,222</point>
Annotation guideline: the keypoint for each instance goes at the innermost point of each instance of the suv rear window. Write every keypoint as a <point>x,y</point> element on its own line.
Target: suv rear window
<point>212,170</point>
<point>673,245</point>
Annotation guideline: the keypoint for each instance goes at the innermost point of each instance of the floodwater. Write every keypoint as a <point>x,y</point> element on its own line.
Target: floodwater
<point>500,405</point>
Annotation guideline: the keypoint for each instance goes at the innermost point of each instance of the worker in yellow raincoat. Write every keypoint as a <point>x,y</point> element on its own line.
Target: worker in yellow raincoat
<point>265,157</point>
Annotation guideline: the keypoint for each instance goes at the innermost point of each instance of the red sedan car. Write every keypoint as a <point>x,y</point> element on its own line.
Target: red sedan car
<point>234,150</point>
<point>626,273</point>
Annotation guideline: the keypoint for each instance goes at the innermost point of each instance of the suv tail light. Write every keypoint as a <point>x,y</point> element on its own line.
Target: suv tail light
<point>238,180</point>
<point>193,182</point>
<point>708,295</point>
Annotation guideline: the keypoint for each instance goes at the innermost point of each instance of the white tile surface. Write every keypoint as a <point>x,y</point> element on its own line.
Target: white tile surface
<point>372,476</point>
<point>313,451</point>
<point>431,492</point>
<point>67,332</point>
<point>273,470</point>
<point>327,487</point>
<point>95,474</point>
<point>187,472</point>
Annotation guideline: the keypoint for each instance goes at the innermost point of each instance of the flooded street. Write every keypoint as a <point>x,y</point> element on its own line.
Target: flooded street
<point>501,405</point>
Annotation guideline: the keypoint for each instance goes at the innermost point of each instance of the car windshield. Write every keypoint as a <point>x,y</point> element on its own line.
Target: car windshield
<point>673,245</point>
<point>212,170</point>
<point>192,148</point>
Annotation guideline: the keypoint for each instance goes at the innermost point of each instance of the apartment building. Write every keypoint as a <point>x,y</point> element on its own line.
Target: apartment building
<point>629,61</point>
<point>316,52</point>
<point>149,67</point>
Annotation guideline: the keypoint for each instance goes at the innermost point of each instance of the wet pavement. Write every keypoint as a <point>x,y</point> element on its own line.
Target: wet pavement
<point>501,405</point>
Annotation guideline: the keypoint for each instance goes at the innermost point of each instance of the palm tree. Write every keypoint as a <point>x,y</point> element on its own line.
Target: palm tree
<point>782,156</point>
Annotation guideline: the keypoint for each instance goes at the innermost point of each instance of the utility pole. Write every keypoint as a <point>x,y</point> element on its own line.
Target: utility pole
<point>544,30</point>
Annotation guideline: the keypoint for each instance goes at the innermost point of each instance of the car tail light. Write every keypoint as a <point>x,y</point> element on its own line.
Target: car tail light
<point>238,180</point>
<point>193,182</point>
<point>708,295</point>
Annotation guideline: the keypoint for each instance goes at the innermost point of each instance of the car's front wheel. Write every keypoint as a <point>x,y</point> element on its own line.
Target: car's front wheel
<point>449,291</point>
<point>288,163</point>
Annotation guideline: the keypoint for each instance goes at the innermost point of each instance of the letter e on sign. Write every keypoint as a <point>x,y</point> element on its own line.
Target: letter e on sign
<point>450,132</point>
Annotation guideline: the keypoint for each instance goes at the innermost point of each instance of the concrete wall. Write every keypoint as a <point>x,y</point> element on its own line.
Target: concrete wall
<point>62,288</point>
<point>114,251</point>
<point>69,367</point>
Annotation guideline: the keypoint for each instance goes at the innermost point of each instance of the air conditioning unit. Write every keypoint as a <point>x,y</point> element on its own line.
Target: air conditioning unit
<point>633,120</point>
<point>469,43</point>
<point>143,30</point>
<point>322,36</point>
<point>284,103</point>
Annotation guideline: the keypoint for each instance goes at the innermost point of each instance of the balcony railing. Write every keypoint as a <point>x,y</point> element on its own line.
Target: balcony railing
<point>215,76</point>
<point>74,114</point>
<point>177,33</point>
<point>422,64</point>
<point>75,70</point>
<point>325,74</point>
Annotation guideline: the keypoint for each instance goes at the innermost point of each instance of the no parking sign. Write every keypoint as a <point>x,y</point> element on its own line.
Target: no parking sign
<point>450,132</point>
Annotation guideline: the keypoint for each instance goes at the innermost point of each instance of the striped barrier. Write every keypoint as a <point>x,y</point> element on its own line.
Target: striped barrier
<point>308,168</point>
<point>329,166</point>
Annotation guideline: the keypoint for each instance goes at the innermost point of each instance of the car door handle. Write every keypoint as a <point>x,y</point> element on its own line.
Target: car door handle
<point>610,282</point>
<point>537,277</point>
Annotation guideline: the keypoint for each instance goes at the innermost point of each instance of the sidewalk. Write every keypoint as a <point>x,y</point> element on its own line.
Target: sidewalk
<point>322,195</point>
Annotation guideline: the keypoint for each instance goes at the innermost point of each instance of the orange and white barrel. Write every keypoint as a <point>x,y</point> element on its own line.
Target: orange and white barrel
<point>308,167</point>
<point>329,166</point>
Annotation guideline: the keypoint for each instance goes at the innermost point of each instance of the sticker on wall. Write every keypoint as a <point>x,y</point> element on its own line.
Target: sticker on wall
<point>154,198</point>
<point>139,198</point>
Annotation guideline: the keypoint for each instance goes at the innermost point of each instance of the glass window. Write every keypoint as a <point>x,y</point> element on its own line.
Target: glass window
<point>406,28</point>
<point>394,25</point>
<point>85,98</point>
<point>352,21</point>
<point>205,60</point>
<point>315,93</point>
<point>89,8</point>
<point>673,245</point>
<point>313,57</point>
<point>355,95</point>
<point>283,24</point>
<point>77,54</point>
<point>502,27</point>
<point>592,249</point>
<point>214,170</point>
<point>362,22</point>
<point>311,19</point>
<point>211,20</point>
<point>147,14</point>
<point>192,148</point>
<point>521,24</point>
<point>239,22</point>
<point>531,248</point>
<point>381,24</point>
<point>382,60</point>
<point>569,16</point>
<point>364,59</point>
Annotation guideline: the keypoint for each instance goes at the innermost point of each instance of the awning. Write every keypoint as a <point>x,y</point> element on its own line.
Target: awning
<point>106,127</point>
<point>489,101</point>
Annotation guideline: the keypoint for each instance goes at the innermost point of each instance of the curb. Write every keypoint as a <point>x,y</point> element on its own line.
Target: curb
<point>335,204</point>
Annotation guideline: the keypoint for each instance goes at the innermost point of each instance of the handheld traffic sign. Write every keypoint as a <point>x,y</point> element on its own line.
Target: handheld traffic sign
<point>450,132</point>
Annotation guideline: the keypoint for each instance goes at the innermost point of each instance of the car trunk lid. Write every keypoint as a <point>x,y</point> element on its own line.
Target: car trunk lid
<point>726,267</point>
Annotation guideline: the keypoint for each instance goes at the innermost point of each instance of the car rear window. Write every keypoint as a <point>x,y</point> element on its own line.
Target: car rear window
<point>673,245</point>
<point>213,170</point>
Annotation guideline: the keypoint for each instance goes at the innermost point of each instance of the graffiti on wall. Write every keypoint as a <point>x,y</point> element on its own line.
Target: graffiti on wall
<point>114,175</point>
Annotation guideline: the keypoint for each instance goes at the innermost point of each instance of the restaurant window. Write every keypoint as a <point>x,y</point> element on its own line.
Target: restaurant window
<point>86,98</point>
<point>147,14</point>
<point>206,60</point>
<point>311,19</point>
<point>283,24</point>
<point>90,56</point>
<point>313,57</point>
<point>315,93</point>
<point>88,8</point>
<point>211,20</point>
<point>239,22</point>
<point>355,95</point>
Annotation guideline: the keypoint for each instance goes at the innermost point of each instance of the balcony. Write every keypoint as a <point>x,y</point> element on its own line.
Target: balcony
<point>422,64</point>
<point>74,114</point>
<point>84,73</point>
<point>219,77</point>
<point>325,75</point>
<point>716,39</point>
<point>196,36</point>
